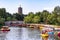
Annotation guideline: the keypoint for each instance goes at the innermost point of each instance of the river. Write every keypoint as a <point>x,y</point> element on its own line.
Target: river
<point>17,33</point>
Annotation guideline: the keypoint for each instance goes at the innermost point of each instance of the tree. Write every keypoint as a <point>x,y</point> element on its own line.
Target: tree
<point>27,19</point>
<point>44,16</point>
<point>2,20</point>
<point>57,10</point>
<point>36,19</point>
<point>51,19</point>
<point>38,13</point>
<point>9,18</point>
<point>31,14</point>
<point>7,14</point>
<point>18,17</point>
<point>14,19</point>
<point>58,20</point>
<point>2,12</point>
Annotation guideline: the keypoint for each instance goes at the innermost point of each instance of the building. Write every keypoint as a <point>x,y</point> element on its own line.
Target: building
<point>20,10</point>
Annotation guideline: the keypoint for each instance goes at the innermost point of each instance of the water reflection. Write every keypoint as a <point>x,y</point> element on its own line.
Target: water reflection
<point>20,34</point>
<point>3,35</point>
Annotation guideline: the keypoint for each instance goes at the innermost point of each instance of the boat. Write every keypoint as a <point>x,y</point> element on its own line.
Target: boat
<point>44,35</point>
<point>5,28</point>
<point>31,26</point>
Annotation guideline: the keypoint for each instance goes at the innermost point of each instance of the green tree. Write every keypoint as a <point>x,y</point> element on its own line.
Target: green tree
<point>2,20</point>
<point>18,17</point>
<point>2,12</point>
<point>31,14</point>
<point>44,16</point>
<point>51,19</point>
<point>57,9</point>
<point>58,20</point>
<point>38,13</point>
<point>56,13</point>
<point>14,19</point>
<point>29,17</point>
<point>9,18</point>
<point>36,19</point>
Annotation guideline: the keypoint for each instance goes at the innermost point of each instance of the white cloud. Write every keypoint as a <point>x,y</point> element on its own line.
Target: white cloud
<point>49,9</point>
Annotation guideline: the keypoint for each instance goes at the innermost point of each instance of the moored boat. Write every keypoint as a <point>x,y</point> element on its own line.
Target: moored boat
<point>5,28</point>
<point>31,26</point>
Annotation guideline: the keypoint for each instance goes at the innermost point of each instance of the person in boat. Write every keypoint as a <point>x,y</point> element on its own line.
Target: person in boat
<point>58,35</point>
<point>44,35</point>
<point>55,35</point>
<point>51,34</point>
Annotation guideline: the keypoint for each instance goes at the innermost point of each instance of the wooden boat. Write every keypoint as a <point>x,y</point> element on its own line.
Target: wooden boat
<point>5,28</point>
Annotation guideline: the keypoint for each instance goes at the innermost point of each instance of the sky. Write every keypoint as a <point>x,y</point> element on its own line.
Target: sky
<point>29,5</point>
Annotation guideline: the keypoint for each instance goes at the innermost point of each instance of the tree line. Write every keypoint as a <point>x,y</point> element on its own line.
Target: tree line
<point>44,17</point>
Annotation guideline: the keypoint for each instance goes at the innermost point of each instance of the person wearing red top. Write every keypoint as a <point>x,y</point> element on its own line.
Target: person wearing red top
<point>58,35</point>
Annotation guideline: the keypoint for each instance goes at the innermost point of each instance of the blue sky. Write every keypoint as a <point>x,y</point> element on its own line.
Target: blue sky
<point>29,5</point>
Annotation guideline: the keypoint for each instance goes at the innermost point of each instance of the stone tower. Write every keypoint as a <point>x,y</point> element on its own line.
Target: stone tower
<point>20,10</point>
